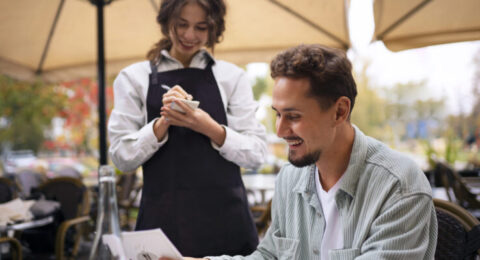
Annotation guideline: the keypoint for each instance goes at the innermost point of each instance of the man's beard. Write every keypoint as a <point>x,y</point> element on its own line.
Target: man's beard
<point>308,159</point>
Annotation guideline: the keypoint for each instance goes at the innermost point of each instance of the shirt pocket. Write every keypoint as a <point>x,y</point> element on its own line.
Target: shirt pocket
<point>287,248</point>
<point>339,254</point>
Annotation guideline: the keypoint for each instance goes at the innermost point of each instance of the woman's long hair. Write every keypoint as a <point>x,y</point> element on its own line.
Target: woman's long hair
<point>169,13</point>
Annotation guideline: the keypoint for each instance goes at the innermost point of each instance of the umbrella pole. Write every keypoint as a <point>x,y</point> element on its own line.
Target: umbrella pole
<point>101,84</point>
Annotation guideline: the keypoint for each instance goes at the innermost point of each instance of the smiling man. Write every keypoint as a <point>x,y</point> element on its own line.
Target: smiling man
<point>344,195</point>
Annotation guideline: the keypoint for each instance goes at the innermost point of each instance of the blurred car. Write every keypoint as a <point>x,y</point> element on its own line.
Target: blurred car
<point>15,160</point>
<point>60,166</point>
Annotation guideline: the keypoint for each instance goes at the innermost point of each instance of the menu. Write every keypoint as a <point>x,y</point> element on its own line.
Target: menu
<point>142,245</point>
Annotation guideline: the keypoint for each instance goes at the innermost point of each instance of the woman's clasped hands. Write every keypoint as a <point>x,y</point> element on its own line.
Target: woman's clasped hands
<point>195,119</point>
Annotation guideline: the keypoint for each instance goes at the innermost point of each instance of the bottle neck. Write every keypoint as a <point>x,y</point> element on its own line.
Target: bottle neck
<point>107,206</point>
<point>107,196</point>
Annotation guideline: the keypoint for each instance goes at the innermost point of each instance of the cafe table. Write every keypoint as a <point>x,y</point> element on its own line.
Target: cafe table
<point>19,226</point>
<point>22,225</point>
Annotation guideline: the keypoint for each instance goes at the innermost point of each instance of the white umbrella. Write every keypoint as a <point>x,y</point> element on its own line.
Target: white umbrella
<point>408,24</point>
<point>57,39</point>
<point>255,31</point>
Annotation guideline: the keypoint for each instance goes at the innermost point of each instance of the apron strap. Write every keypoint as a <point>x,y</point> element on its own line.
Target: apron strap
<point>154,78</point>
<point>210,63</point>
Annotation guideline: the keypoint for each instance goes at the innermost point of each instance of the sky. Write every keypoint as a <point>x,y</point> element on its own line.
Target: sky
<point>447,69</point>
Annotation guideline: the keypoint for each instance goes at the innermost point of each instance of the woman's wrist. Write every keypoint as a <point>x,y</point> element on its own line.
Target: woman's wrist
<point>217,133</point>
<point>160,128</point>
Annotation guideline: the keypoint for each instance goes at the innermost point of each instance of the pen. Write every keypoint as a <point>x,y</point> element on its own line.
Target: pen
<point>167,88</point>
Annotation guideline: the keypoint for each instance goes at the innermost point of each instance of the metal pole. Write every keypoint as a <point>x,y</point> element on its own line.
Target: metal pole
<point>101,85</point>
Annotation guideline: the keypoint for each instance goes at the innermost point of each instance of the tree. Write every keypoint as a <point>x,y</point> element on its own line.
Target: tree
<point>26,110</point>
<point>80,115</point>
<point>475,115</point>
<point>369,109</point>
<point>260,87</point>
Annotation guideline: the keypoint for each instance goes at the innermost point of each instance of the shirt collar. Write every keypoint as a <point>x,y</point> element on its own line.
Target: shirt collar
<point>349,180</point>
<point>307,185</point>
<point>356,164</point>
<point>200,60</point>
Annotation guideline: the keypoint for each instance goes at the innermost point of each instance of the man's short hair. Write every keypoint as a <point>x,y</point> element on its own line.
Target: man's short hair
<point>328,70</point>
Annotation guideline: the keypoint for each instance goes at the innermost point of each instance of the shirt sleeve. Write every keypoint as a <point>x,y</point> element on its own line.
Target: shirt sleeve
<point>132,140</point>
<point>245,142</point>
<point>406,230</point>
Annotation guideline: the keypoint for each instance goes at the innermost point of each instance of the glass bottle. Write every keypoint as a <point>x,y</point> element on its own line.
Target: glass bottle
<point>108,227</point>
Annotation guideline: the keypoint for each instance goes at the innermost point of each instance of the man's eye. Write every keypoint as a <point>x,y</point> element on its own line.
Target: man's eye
<point>202,28</point>
<point>182,25</point>
<point>292,117</point>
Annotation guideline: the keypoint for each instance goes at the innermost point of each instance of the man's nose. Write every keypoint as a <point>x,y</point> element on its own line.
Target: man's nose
<point>282,127</point>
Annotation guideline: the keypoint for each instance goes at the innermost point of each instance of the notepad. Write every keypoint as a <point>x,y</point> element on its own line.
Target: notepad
<point>193,104</point>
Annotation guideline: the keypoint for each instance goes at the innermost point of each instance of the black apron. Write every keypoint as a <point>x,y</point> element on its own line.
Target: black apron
<point>190,191</point>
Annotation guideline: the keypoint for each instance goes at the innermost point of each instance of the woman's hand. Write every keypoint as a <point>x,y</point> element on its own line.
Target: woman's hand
<point>161,125</point>
<point>173,93</point>
<point>195,119</point>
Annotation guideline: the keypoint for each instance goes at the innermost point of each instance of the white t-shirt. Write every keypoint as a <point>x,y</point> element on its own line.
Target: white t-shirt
<point>333,236</point>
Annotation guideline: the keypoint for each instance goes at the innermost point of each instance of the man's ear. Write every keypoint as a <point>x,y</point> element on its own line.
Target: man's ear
<point>342,109</point>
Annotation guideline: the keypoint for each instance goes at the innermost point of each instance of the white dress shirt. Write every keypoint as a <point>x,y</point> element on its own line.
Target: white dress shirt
<point>132,140</point>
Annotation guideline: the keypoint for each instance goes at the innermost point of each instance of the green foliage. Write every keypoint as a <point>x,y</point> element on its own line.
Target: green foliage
<point>27,109</point>
<point>451,152</point>
<point>269,121</point>
<point>260,87</point>
<point>400,99</point>
<point>430,152</point>
<point>452,147</point>
<point>264,87</point>
<point>429,109</point>
<point>369,110</point>
<point>266,169</point>
<point>476,90</point>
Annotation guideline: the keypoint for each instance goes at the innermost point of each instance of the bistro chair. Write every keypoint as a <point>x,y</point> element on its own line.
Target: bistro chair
<point>128,190</point>
<point>262,217</point>
<point>15,252</point>
<point>458,232</point>
<point>455,184</point>
<point>8,190</point>
<point>28,181</point>
<point>65,233</point>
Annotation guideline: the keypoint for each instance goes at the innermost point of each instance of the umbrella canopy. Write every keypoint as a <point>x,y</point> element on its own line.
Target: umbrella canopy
<point>56,39</point>
<point>411,24</point>
<point>64,39</point>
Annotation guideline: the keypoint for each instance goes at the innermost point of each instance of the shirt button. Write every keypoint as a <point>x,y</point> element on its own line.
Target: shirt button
<point>316,251</point>
<point>318,214</point>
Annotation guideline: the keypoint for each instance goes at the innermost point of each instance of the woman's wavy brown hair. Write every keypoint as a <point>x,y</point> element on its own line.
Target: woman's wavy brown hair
<point>328,70</point>
<point>170,11</point>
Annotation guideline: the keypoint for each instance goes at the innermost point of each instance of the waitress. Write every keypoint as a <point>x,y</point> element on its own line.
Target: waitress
<point>191,161</point>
